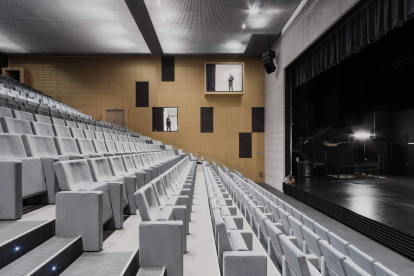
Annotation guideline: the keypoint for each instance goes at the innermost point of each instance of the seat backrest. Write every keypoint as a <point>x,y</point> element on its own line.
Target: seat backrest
<point>284,217</point>
<point>100,169</point>
<point>333,259</point>
<point>262,219</point>
<point>353,269</point>
<point>11,125</point>
<point>297,215</point>
<point>110,146</point>
<point>338,243</point>
<point>321,231</point>
<point>117,165</point>
<point>71,124</point>
<point>6,112</point>
<point>312,241</point>
<point>21,115</point>
<point>160,191</point>
<point>147,203</point>
<point>274,234</point>
<point>73,175</point>
<point>114,137</point>
<point>66,146</point>
<point>99,146</point>
<point>91,127</point>
<point>273,208</point>
<point>107,136</point>
<point>58,122</point>
<point>129,162</point>
<point>119,147</point>
<point>98,128</point>
<point>308,222</point>
<point>62,131</point>
<point>39,146</point>
<point>288,209</point>
<point>42,129</point>
<point>295,258</point>
<point>77,133</point>
<point>381,270</point>
<point>296,227</point>
<point>42,119</point>
<point>105,130</point>
<point>99,135</point>
<point>85,146</point>
<point>89,134</point>
<point>223,239</point>
<point>11,146</point>
<point>361,259</point>
<point>82,126</point>
<point>138,160</point>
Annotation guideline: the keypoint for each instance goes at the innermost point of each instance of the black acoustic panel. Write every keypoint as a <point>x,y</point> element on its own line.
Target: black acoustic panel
<point>206,119</point>
<point>258,117</point>
<point>168,73</point>
<point>142,94</point>
<point>382,233</point>
<point>245,145</point>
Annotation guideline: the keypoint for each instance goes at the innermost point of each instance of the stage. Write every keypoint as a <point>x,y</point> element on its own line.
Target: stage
<point>381,208</point>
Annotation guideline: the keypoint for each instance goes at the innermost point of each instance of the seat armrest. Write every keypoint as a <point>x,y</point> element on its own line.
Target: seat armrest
<point>244,263</point>
<point>11,200</point>
<point>116,193</point>
<point>131,188</point>
<point>80,213</point>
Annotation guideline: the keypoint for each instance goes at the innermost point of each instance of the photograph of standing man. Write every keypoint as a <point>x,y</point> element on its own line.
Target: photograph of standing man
<point>168,123</point>
<point>231,78</point>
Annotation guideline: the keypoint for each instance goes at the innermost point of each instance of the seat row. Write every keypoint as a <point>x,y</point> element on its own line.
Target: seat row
<point>97,192</point>
<point>26,163</point>
<point>294,241</point>
<point>234,245</point>
<point>165,206</point>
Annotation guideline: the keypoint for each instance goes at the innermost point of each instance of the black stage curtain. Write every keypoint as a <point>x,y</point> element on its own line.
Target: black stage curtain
<point>157,119</point>
<point>211,77</point>
<point>366,26</point>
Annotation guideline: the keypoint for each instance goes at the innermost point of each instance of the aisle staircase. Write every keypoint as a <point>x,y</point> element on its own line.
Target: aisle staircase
<point>301,146</point>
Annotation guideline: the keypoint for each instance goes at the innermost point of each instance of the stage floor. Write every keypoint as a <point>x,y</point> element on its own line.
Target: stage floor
<point>388,200</point>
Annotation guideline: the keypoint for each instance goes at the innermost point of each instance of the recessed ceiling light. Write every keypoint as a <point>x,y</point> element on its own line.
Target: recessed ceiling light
<point>253,10</point>
<point>243,26</point>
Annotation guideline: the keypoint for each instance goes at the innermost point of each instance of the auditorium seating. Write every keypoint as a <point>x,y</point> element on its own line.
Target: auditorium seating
<point>294,242</point>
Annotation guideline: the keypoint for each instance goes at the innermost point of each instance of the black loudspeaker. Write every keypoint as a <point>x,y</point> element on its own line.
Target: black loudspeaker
<point>268,61</point>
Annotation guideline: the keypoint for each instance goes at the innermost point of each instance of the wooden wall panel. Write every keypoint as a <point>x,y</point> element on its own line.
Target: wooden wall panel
<point>94,84</point>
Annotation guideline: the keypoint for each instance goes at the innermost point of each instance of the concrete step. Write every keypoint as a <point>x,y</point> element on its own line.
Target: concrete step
<point>104,264</point>
<point>151,271</point>
<point>54,255</point>
<point>17,238</point>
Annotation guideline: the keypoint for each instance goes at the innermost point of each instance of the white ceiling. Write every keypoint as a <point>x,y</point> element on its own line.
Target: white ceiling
<point>102,27</point>
<point>69,27</point>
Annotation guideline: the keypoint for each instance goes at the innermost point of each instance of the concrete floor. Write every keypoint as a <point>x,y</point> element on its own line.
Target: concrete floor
<point>394,261</point>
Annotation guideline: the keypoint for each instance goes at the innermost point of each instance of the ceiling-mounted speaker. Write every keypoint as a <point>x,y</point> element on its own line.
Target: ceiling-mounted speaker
<point>268,57</point>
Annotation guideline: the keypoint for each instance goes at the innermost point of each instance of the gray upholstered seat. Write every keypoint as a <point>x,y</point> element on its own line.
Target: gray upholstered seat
<point>21,176</point>
<point>296,260</point>
<point>17,126</point>
<point>132,167</point>
<point>381,270</point>
<point>107,136</point>
<point>42,119</point>
<point>308,222</point>
<point>58,122</point>
<point>361,259</point>
<point>91,127</point>
<point>99,135</point>
<point>68,146</point>
<point>332,260</point>
<point>76,214</point>
<point>321,231</point>
<point>62,131</point>
<point>296,227</point>
<point>5,112</point>
<point>89,134</point>
<point>110,146</point>
<point>77,132</point>
<point>85,146</point>
<point>44,148</point>
<point>338,243</point>
<point>42,129</point>
<point>21,115</point>
<point>100,148</point>
<point>101,172</point>
<point>98,128</point>
<point>71,124</point>
<point>82,126</point>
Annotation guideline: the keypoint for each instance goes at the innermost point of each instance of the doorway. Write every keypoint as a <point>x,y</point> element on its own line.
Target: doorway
<point>116,117</point>
<point>13,74</point>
